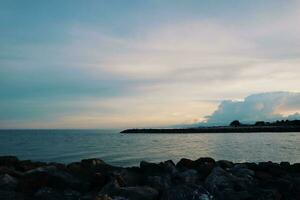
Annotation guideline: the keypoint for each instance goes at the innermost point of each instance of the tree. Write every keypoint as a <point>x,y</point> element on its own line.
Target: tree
<point>235,123</point>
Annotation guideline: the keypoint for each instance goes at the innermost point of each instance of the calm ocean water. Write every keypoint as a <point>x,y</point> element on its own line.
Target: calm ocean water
<point>128,150</point>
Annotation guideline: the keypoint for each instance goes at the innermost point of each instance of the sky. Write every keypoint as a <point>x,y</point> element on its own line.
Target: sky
<point>158,63</point>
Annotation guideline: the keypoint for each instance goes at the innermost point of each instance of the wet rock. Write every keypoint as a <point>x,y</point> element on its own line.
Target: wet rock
<point>8,182</point>
<point>186,192</point>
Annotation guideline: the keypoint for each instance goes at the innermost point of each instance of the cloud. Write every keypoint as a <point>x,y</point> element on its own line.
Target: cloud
<point>258,107</point>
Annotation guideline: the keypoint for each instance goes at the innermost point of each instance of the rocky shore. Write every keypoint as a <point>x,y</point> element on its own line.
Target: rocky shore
<point>201,179</point>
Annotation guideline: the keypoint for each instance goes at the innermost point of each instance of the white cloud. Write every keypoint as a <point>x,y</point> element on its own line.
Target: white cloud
<point>258,107</point>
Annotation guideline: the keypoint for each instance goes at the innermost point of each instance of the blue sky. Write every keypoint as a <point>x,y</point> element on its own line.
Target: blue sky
<point>103,64</point>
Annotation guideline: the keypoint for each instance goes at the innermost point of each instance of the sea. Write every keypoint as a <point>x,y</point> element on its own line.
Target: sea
<point>118,149</point>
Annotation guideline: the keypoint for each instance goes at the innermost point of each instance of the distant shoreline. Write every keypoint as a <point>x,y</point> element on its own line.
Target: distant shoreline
<point>218,129</point>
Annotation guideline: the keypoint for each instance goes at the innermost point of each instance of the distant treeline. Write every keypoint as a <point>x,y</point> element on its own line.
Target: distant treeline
<point>234,127</point>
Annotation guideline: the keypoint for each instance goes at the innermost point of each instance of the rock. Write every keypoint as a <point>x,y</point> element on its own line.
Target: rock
<point>92,163</point>
<point>190,176</point>
<point>11,195</point>
<point>241,170</point>
<point>47,193</point>
<point>296,167</point>
<point>71,195</point>
<point>169,167</point>
<point>8,161</point>
<point>133,193</point>
<point>263,175</point>
<point>151,168</point>
<point>10,171</point>
<point>8,182</point>
<point>48,176</point>
<point>26,165</point>
<point>220,181</point>
<point>159,183</point>
<point>185,163</point>
<point>225,164</point>
<point>202,165</point>
<point>186,192</point>
<point>131,177</point>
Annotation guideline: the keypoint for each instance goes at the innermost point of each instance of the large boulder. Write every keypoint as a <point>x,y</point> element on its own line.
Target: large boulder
<point>220,183</point>
<point>203,165</point>
<point>48,176</point>
<point>186,192</point>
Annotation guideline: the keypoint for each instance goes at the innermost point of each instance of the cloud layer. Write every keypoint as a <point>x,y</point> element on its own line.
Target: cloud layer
<point>258,107</point>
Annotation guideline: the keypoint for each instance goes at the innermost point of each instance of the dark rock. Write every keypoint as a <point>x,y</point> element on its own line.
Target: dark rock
<point>26,165</point>
<point>225,164</point>
<point>47,193</point>
<point>10,161</point>
<point>11,195</point>
<point>131,177</point>
<point>159,183</point>
<point>185,163</point>
<point>151,168</point>
<point>10,171</point>
<point>189,176</point>
<point>92,163</point>
<point>48,176</point>
<point>8,182</point>
<point>71,195</point>
<point>296,167</point>
<point>186,192</point>
<point>263,175</point>
<point>133,193</point>
<point>219,182</point>
<point>202,165</point>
